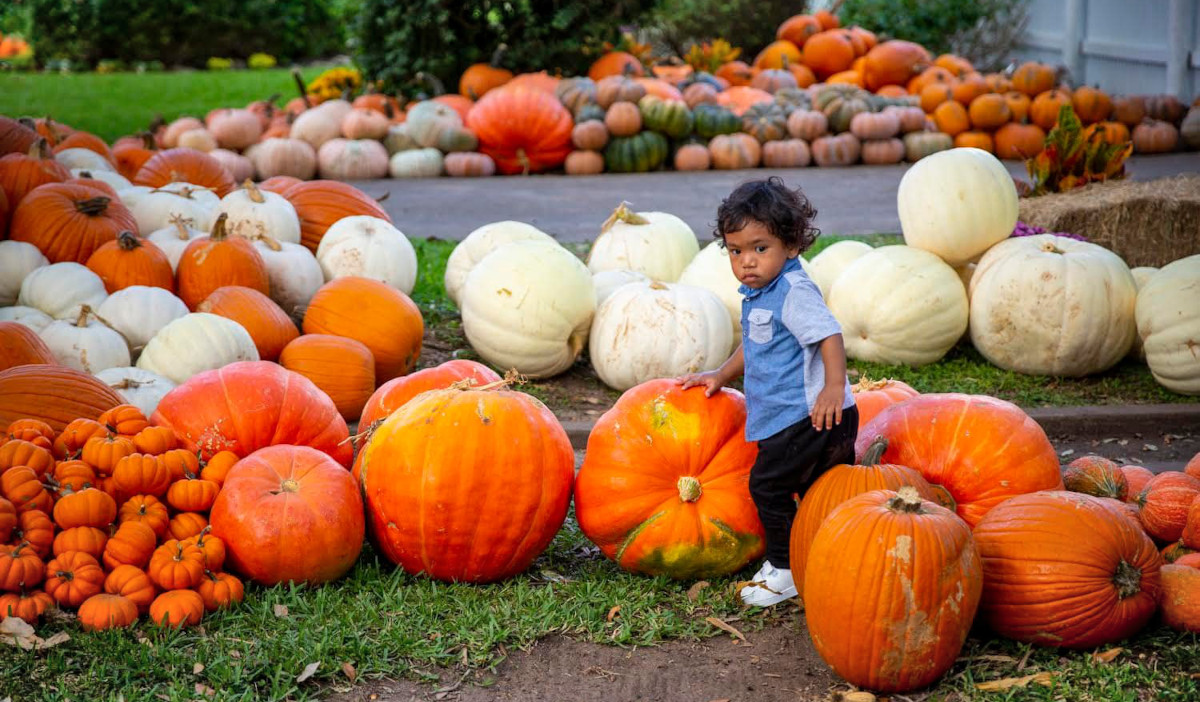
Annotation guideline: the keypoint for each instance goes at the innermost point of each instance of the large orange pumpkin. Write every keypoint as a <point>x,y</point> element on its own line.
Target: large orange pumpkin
<point>798,29</point>
<point>53,394</point>
<point>979,450</point>
<point>20,173</point>
<point>891,588</point>
<point>342,368</point>
<point>130,260</point>
<point>615,63</point>
<point>289,513</point>
<point>268,325</point>
<point>665,484</point>
<point>840,483</point>
<point>248,405</point>
<point>777,54</point>
<point>429,474</point>
<point>522,129</point>
<point>1066,569</point>
<point>184,165</point>
<point>393,394</point>
<point>829,52</point>
<point>872,396</point>
<point>69,222</point>
<point>320,203</point>
<point>384,319</point>
<point>131,153</point>
<point>20,345</point>
<point>218,260</point>
<point>894,62</point>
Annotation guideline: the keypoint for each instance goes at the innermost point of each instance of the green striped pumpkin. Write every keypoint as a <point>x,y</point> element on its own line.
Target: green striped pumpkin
<point>670,117</point>
<point>639,153</point>
<point>714,120</point>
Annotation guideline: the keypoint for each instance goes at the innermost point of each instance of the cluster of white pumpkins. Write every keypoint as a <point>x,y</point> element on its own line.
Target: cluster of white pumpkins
<point>143,340</point>
<point>649,303</point>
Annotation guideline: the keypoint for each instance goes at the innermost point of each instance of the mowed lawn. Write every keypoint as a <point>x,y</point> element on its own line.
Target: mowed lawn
<point>115,104</point>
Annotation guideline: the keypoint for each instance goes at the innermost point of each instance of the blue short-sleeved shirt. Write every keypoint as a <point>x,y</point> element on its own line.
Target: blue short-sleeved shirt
<point>783,325</point>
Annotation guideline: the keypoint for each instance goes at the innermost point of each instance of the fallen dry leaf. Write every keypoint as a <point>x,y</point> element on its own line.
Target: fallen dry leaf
<point>15,632</point>
<point>854,696</point>
<point>989,659</point>
<point>308,672</point>
<point>197,668</point>
<point>280,610</point>
<point>235,654</point>
<point>1043,678</point>
<point>59,638</point>
<point>205,690</point>
<point>612,613</point>
<point>723,626</point>
<point>694,591</point>
<point>351,673</point>
<point>1107,656</point>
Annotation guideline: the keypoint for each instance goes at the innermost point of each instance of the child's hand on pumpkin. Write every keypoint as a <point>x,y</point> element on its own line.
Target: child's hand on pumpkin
<point>711,380</point>
<point>827,410</point>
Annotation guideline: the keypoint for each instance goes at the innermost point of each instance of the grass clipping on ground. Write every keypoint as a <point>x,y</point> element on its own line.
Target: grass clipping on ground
<point>1147,223</point>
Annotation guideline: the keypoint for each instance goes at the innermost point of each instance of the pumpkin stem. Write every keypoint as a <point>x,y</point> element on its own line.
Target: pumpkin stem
<point>92,206</point>
<point>40,149</point>
<point>148,141</point>
<point>180,223</point>
<point>87,175</point>
<point>300,84</point>
<point>269,241</point>
<point>498,54</point>
<point>523,158</point>
<point>689,489</point>
<point>622,214</point>
<point>875,451</point>
<point>865,384</point>
<point>1049,247</point>
<point>126,384</point>
<point>658,285</point>
<point>253,191</point>
<point>1128,580</point>
<point>907,500</point>
<point>84,312</point>
<point>289,485</point>
<point>218,230</point>
<point>128,241</point>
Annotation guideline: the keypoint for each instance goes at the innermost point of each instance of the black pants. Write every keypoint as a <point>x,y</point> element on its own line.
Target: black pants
<point>788,463</point>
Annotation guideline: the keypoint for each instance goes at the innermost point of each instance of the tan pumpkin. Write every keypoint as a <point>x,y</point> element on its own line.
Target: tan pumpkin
<point>590,135</point>
<point>618,88</point>
<point>807,124</point>
<point>875,125</point>
<point>841,150</point>
<point>584,163</point>
<point>1155,137</point>
<point>468,164</point>
<point>878,152</point>
<point>734,151</point>
<point>695,157</point>
<point>787,153</point>
<point>912,118</point>
<point>623,119</point>
<point>700,94</point>
<point>1129,110</point>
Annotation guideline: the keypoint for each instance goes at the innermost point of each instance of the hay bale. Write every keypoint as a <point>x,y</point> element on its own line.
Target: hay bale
<point>1149,223</point>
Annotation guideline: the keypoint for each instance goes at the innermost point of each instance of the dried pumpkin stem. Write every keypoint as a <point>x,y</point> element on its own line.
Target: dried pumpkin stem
<point>689,489</point>
<point>93,206</point>
<point>181,223</point>
<point>253,191</point>
<point>623,213</point>
<point>907,500</point>
<point>218,230</point>
<point>875,451</point>
<point>128,241</point>
<point>1128,579</point>
<point>85,311</point>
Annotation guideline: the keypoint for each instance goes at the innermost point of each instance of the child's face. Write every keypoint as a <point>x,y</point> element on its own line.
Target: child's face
<point>756,255</point>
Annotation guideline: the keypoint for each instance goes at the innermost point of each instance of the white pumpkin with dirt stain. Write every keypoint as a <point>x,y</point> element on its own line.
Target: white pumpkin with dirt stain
<point>294,273</point>
<point>1048,305</point>
<point>528,305</point>
<point>85,343</point>
<point>1168,320</point>
<point>1141,274</point>
<point>35,319</point>
<point>899,305</point>
<point>174,238</point>
<point>159,208</point>
<point>957,204</point>
<point>255,213</point>
<point>17,260</point>
<point>137,386</point>
<point>61,288</point>
<point>195,343</point>
<point>368,247</point>
<point>138,312</point>
<point>481,242</point>
<point>654,330</point>
<point>833,260</point>
<point>657,244</point>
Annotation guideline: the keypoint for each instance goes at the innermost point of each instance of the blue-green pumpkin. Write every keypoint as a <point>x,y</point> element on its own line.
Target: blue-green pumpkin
<point>670,117</point>
<point>639,153</point>
<point>714,120</point>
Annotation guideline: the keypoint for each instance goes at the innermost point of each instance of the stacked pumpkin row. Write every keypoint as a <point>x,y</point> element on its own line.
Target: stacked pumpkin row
<point>109,516</point>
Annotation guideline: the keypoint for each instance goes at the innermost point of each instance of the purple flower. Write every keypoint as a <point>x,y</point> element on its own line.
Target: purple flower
<point>1023,229</point>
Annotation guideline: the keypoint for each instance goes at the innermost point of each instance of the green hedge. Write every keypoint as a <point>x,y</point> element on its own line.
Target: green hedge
<point>184,32</point>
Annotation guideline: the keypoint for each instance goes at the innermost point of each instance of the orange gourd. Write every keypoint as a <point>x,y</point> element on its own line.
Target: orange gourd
<point>73,577</point>
<point>1019,141</point>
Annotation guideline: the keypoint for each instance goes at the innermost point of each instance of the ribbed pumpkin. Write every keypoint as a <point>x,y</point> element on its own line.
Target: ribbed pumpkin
<point>873,396</point>
<point>643,152</point>
<point>664,487</point>
<point>129,260</point>
<point>16,135</point>
<point>384,319</point>
<point>268,325</point>
<point>989,111</point>
<point>1181,597</point>
<point>522,129</point>
<point>1096,476</point>
<point>393,394</point>
<point>216,261</point>
<point>1164,504</point>
<point>20,345</point>
<point>21,172</point>
<point>68,222</point>
<point>289,513</point>
<point>918,577</point>
<point>251,404</point>
<point>734,151</point>
<point>839,484</point>
<point>54,394</point>
<point>979,450</point>
<point>765,122</point>
<point>182,165</point>
<point>320,203</point>
<point>1066,569</point>
<point>1136,480</point>
<point>344,369</point>
<point>894,63</point>
<point>1091,104</point>
<point>1019,141</point>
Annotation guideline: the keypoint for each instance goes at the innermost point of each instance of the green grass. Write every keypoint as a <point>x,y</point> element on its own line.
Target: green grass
<point>115,104</point>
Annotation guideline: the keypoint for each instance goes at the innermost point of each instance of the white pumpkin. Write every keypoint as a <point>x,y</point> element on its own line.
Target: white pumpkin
<point>159,208</point>
<point>368,247</point>
<point>829,264</point>
<point>711,270</point>
<point>85,343</point>
<point>1141,274</point>
<point>528,305</point>
<point>607,283</point>
<point>426,121</point>
<point>352,159</point>
<point>317,126</point>
<point>138,312</point>
<point>416,163</point>
<point>957,204</point>
<point>17,259</point>
<point>207,196</point>
<point>1168,320</point>
<point>61,288</point>
<point>239,167</point>
<point>291,157</point>
<point>195,343</point>
<point>294,273</point>
<point>174,238</point>
<point>398,139</point>
<point>198,139</point>
<point>133,194</point>
<point>479,244</point>
<point>254,213</point>
<point>654,330</point>
<point>1049,305</point>
<point>114,179</point>
<point>33,318</point>
<point>83,158</point>
<point>658,244</point>
<point>137,387</point>
<point>899,305</point>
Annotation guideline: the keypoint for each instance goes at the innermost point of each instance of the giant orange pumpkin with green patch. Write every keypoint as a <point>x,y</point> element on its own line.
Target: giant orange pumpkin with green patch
<point>665,486</point>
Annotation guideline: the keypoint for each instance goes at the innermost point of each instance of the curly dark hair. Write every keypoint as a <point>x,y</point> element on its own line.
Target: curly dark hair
<point>786,214</point>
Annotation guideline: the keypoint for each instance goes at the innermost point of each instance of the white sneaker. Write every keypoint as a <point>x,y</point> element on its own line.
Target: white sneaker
<point>770,586</point>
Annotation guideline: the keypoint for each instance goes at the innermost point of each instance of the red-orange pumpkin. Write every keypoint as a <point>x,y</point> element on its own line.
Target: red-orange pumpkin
<point>68,222</point>
<point>184,165</point>
<point>1164,504</point>
<point>54,394</point>
<point>664,488</point>
<point>320,203</point>
<point>1066,569</point>
<point>1096,476</point>
<point>268,325</point>
<point>872,396</point>
<point>384,319</point>
<point>248,405</point>
<point>522,129</point>
<point>979,450</point>
<point>289,513</point>
<point>129,260</point>
<point>20,173</point>
<point>218,260</point>
<point>1136,479</point>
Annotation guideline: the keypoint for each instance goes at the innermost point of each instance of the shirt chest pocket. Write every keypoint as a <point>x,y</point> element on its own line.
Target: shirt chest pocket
<point>761,329</point>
